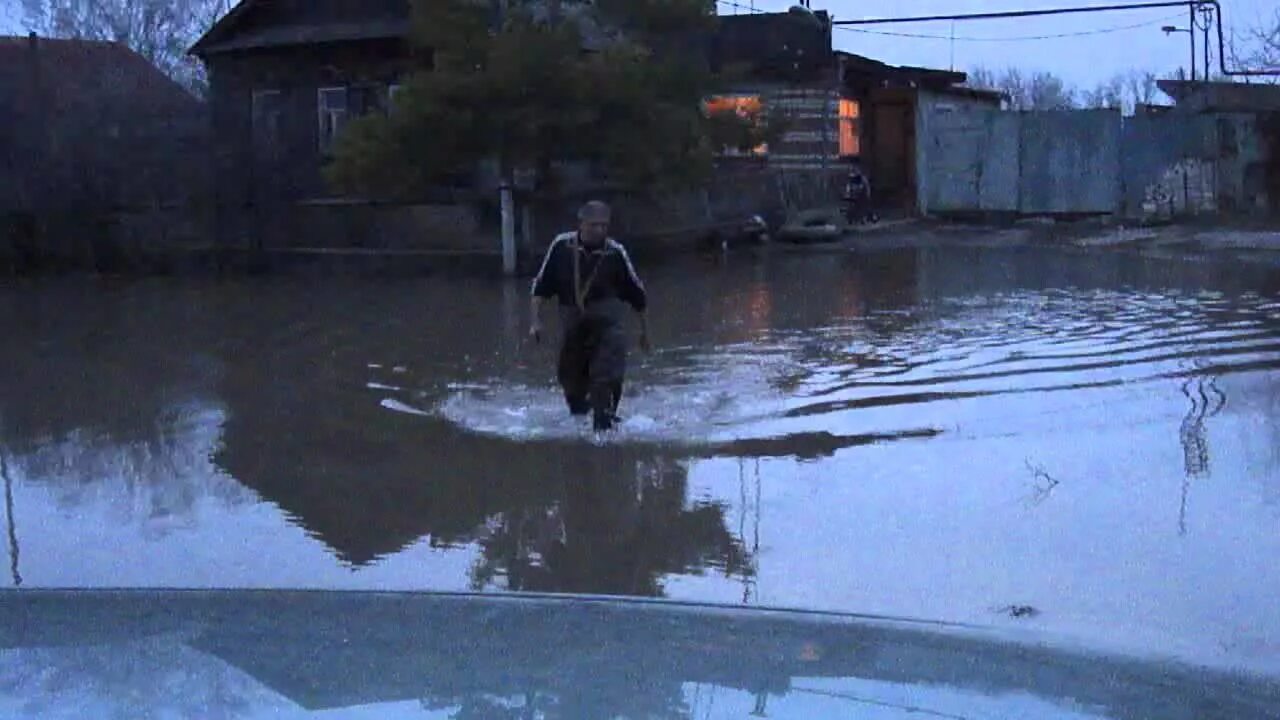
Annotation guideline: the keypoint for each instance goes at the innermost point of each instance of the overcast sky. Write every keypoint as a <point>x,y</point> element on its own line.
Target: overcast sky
<point>9,23</point>
<point>1083,60</point>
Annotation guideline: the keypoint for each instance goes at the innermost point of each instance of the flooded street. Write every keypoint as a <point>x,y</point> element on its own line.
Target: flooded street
<point>1086,445</point>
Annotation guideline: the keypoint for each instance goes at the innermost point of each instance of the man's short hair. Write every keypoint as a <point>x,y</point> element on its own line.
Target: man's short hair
<point>595,211</point>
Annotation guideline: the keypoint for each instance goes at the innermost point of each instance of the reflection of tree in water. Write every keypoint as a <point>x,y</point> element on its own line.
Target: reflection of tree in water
<point>10,522</point>
<point>618,525</point>
<point>158,476</point>
<point>1207,400</point>
<point>131,681</point>
<point>660,701</point>
<point>105,397</point>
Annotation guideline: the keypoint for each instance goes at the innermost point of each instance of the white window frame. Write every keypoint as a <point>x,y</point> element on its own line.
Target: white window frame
<point>330,121</point>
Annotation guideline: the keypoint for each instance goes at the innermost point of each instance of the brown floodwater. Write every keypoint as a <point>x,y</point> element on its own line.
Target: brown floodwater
<point>944,433</point>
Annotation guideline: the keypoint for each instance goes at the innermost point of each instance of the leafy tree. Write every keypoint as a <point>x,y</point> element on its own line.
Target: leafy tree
<point>617,85</point>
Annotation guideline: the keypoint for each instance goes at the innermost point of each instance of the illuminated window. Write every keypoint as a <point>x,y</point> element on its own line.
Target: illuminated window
<point>850,128</point>
<point>748,107</point>
<point>745,106</point>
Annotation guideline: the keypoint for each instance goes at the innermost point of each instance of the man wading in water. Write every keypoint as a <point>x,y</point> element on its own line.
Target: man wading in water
<point>593,278</point>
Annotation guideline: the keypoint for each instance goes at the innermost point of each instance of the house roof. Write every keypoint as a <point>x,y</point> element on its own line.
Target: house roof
<point>294,24</point>
<point>993,96</point>
<point>781,44</point>
<point>307,35</point>
<point>929,78</point>
<point>79,73</point>
<point>303,24</point>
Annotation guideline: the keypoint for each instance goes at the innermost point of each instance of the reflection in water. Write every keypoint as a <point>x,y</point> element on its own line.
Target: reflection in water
<point>619,525</point>
<point>1207,400</point>
<point>749,505</point>
<point>156,480</point>
<point>9,519</point>
<point>897,398</point>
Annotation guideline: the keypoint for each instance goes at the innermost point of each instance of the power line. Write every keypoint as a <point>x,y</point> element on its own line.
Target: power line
<point>740,6</point>
<point>1026,13</point>
<point>1016,38</point>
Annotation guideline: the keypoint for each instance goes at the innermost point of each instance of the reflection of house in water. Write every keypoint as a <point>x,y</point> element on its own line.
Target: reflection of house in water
<point>619,525</point>
<point>554,516</point>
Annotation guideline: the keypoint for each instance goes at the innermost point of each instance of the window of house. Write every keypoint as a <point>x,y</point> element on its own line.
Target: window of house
<point>850,128</point>
<point>268,106</point>
<point>365,99</point>
<point>745,106</point>
<point>332,105</point>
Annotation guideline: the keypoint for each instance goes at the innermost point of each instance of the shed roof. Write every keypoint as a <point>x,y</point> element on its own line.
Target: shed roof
<point>929,78</point>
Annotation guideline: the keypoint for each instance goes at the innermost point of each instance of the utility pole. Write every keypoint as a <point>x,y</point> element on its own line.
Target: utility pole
<point>1206,12</point>
<point>1191,30</point>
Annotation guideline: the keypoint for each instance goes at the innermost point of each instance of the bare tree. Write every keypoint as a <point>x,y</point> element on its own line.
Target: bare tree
<point>1257,48</point>
<point>1039,91</point>
<point>981,77</point>
<point>159,30</point>
<point>1140,87</point>
<point>1267,41</point>
<point>1047,91</point>
<point>1123,92</point>
<point>1109,94</point>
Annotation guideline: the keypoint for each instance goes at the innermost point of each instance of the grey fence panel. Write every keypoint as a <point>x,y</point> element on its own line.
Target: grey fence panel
<point>971,162</point>
<point>1070,162</point>
<point>1162,153</point>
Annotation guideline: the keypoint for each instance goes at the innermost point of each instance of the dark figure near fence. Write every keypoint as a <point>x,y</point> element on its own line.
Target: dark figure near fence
<point>857,198</point>
<point>592,276</point>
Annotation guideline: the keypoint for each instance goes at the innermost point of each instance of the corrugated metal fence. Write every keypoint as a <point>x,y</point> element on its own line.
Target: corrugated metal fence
<point>1076,162</point>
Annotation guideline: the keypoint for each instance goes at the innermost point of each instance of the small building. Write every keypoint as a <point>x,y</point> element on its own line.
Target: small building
<point>1243,134</point>
<point>837,107</point>
<point>285,76</point>
<point>93,141</point>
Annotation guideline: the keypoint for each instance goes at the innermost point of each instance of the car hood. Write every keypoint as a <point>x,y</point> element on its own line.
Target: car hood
<point>379,655</point>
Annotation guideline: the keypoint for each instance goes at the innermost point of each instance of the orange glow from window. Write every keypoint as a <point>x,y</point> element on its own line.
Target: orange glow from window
<point>850,130</point>
<point>744,106</point>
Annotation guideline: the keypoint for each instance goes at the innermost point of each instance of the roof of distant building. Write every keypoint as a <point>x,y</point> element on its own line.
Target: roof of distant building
<point>1222,96</point>
<point>78,72</point>
<point>256,24</point>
